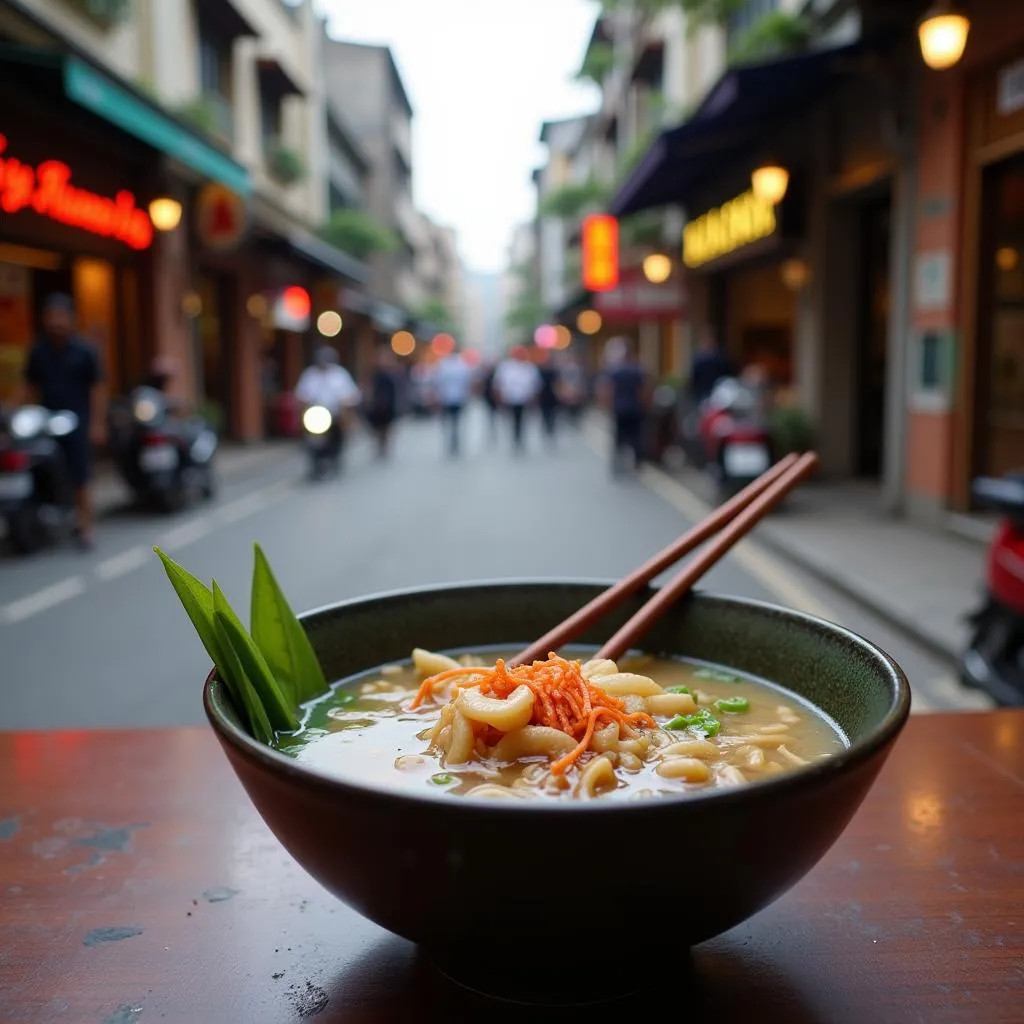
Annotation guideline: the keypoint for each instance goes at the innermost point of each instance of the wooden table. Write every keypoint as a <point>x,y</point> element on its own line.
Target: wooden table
<point>137,884</point>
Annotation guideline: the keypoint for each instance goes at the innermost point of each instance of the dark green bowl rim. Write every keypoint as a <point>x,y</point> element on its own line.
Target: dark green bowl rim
<point>878,738</point>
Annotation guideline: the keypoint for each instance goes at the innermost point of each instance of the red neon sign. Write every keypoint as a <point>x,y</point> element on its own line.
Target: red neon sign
<point>47,190</point>
<point>600,253</point>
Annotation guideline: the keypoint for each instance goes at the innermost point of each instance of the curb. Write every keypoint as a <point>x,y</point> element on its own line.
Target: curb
<point>941,646</point>
<point>937,644</point>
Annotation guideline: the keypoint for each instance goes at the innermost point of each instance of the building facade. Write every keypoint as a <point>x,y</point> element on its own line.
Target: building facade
<point>365,84</point>
<point>216,110</point>
<point>882,290</point>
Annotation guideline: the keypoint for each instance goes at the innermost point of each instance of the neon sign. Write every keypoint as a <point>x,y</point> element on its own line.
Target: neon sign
<point>737,223</point>
<point>600,238</point>
<point>47,190</point>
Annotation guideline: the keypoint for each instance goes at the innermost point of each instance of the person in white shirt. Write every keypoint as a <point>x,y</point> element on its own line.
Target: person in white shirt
<point>453,386</point>
<point>517,382</point>
<point>329,384</point>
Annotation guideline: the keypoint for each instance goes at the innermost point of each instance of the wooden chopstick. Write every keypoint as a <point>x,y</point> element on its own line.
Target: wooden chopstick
<point>745,521</point>
<point>577,623</point>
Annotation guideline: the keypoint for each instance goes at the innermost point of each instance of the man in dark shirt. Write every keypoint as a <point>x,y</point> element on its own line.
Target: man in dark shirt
<point>710,364</point>
<point>625,389</point>
<point>63,371</point>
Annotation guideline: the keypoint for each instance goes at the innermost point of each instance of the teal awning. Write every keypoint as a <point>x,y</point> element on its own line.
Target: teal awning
<point>120,105</point>
<point>94,91</point>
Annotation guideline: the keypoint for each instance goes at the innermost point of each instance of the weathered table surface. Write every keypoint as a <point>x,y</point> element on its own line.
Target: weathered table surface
<point>138,884</point>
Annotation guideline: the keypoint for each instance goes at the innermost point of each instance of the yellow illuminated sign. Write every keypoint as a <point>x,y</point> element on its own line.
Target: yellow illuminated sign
<point>727,228</point>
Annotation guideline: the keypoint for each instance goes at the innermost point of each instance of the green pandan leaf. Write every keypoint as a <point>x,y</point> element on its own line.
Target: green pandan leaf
<point>199,604</point>
<point>279,709</point>
<point>249,700</point>
<point>281,638</point>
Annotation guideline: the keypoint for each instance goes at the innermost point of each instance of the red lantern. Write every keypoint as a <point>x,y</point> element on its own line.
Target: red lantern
<point>296,302</point>
<point>600,253</point>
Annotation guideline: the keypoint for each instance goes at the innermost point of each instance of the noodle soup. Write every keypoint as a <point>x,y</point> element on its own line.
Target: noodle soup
<point>562,729</point>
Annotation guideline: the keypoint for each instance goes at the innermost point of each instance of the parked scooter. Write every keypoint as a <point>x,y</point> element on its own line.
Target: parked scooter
<point>994,658</point>
<point>166,462</point>
<point>36,495</point>
<point>323,440</point>
<point>728,436</point>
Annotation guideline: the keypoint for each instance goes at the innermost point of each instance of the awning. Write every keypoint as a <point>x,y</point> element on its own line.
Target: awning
<point>744,106</point>
<point>129,110</point>
<point>313,249</point>
<point>275,76</point>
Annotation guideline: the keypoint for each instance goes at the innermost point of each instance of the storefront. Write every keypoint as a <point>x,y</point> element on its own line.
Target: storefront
<point>738,252</point>
<point>966,395</point>
<point>81,159</point>
<point>72,221</point>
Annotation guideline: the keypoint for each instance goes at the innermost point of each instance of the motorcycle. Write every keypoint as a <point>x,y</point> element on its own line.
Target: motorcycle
<point>165,462</point>
<point>993,660</point>
<point>323,440</point>
<point>662,423</point>
<point>36,495</point>
<point>730,438</point>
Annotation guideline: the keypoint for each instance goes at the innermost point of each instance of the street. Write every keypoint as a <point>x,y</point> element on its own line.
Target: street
<point>99,640</point>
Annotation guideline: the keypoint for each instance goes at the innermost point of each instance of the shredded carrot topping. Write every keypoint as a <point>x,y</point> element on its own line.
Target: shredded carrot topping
<point>563,699</point>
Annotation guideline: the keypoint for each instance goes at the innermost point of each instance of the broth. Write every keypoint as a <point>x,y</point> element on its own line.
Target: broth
<point>702,726</point>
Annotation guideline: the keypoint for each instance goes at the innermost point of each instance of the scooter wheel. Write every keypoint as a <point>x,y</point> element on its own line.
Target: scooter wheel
<point>27,532</point>
<point>209,488</point>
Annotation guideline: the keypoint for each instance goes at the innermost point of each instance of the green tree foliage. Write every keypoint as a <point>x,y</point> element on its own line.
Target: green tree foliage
<point>358,234</point>
<point>574,199</point>
<point>597,64</point>
<point>435,311</point>
<point>776,33</point>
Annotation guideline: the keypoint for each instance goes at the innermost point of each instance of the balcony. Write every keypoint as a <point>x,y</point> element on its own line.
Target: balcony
<point>211,113</point>
<point>107,14</point>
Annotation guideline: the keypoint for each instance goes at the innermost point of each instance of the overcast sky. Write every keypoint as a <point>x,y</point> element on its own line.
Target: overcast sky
<point>482,76</point>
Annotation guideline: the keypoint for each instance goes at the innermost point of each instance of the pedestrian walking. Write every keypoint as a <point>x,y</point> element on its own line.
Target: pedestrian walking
<point>572,387</point>
<point>453,380</point>
<point>382,408</point>
<point>63,371</point>
<point>490,397</point>
<point>708,366</point>
<point>547,398</point>
<point>626,394</point>
<point>517,383</point>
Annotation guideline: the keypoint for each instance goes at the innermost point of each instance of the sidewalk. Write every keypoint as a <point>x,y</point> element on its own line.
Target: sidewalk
<point>921,581</point>
<point>111,494</point>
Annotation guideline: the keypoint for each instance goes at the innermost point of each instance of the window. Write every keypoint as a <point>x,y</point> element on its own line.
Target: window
<point>270,119</point>
<point>214,63</point>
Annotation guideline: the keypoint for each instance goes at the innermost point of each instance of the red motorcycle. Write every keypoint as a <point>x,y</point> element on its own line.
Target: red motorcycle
<point>994,658</point>
<point>734,438</point>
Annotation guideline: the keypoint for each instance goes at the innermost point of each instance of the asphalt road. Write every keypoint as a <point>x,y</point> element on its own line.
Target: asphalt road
<point>99,640</point>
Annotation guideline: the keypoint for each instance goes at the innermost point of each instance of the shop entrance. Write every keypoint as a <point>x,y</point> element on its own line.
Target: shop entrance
<point>874,217</point>
<point>106,302</point>
<point>999,433</point>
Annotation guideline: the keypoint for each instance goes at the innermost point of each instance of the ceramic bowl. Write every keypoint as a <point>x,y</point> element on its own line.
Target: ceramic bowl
<point>599,888</point>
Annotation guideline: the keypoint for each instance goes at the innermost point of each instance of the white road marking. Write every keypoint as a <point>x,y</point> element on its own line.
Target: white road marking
<point>120,565</point>
<point>252,503</point>
<point>187,533</point>
<point>42,600</point>
<point>135,557</point>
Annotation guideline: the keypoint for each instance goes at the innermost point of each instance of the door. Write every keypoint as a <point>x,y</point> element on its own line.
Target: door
<point>873,336</point>
<point>1000,376</point>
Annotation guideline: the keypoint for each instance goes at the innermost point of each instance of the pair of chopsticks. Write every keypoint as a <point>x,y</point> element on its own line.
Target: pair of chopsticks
<point>731,521</point>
